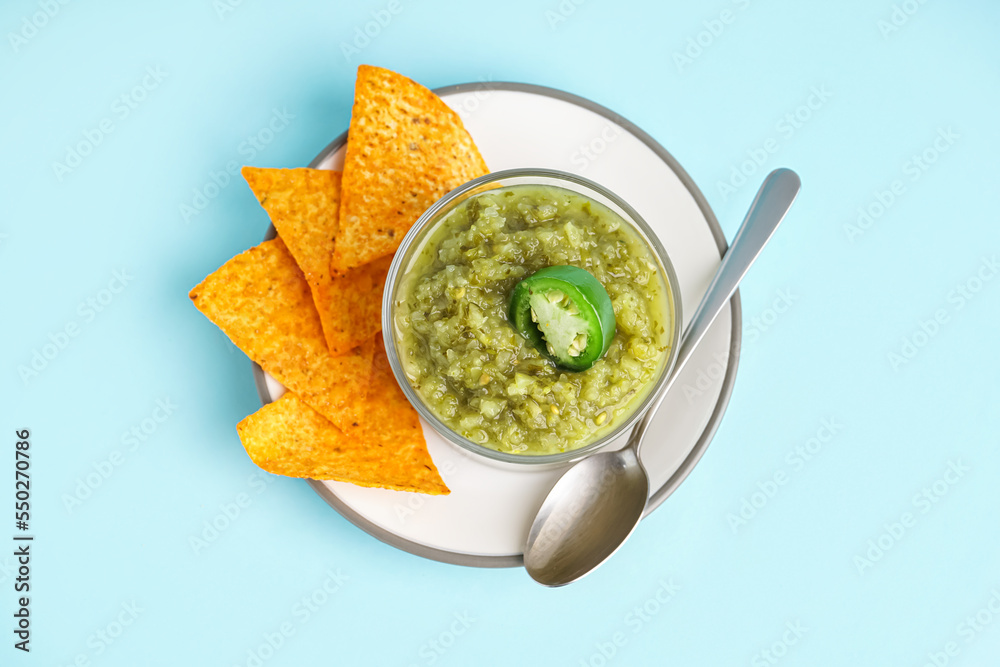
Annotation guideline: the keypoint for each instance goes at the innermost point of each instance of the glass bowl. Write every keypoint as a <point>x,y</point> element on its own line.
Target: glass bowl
<point>414,243</point>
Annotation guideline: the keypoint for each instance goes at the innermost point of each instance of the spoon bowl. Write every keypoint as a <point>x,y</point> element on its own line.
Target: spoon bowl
<point>610,492</point>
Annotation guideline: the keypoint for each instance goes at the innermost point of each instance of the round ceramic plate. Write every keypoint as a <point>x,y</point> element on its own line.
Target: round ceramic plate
<point>484,521</point>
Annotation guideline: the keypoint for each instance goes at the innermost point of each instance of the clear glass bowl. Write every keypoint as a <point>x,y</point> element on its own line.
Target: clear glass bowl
<point>423,229</point>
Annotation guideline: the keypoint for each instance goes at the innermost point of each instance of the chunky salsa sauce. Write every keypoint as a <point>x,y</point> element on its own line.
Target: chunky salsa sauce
<point>476,372</point>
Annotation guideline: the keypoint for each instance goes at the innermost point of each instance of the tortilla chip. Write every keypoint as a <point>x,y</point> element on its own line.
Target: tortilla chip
<point>392,424</point>
<point>347,298</point>
<point>304,207</point>
<point>356,304</point>
<point>261,300</point>
<point>405,150</point>
<point>289,438</point>
<point>380,271</point>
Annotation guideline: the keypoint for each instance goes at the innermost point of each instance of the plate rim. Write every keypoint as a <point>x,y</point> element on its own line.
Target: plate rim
<point>728,381</point>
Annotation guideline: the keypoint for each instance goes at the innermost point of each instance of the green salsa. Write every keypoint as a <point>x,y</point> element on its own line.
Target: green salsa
<point>474,370</point>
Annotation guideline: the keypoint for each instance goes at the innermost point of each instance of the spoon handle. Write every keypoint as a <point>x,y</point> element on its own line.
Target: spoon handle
<point>768,209</point>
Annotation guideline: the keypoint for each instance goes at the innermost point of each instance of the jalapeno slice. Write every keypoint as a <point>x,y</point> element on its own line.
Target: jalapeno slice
<point>566,313</point>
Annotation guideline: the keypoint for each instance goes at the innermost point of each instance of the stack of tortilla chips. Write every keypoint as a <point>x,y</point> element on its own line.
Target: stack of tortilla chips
<point>306,306</point>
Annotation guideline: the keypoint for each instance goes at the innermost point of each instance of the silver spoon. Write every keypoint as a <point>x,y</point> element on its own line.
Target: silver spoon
<point>597,503</point>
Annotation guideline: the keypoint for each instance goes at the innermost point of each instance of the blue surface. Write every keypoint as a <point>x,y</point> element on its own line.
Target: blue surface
<point>115,579</point>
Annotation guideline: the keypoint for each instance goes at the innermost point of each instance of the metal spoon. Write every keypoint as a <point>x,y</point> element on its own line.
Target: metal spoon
<point>597,503</point>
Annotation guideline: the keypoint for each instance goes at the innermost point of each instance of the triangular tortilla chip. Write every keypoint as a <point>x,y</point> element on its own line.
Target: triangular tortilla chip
<point>355,300</point>
<point>392,424</point>
<point>405,150</point>
<point>303,205</point>
<point>261,300</point>
<point>289,438</point>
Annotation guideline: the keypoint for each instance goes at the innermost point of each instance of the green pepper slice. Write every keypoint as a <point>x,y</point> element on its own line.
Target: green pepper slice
<point>566,313</point>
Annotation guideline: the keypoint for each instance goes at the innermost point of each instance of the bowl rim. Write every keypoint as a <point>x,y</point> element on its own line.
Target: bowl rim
<point>426,224</point>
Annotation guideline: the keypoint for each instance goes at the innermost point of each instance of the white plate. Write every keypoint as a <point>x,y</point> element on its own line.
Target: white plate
<point>484,521</point>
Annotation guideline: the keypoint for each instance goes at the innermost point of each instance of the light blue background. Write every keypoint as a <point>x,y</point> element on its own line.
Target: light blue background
<point>854,300</point>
